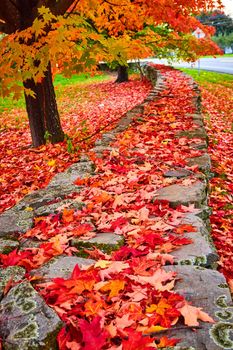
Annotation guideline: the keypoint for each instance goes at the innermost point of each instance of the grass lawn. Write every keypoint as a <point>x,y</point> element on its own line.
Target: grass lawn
<point>225,55</point>
<point>210,77</point>
<point>60,83</point>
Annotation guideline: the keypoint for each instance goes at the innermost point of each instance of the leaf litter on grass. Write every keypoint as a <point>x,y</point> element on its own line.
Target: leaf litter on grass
<point>90,108</point>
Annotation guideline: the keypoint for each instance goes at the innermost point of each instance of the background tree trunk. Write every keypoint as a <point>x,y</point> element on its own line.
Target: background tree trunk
<point>42,111</point>
<point>122,74</point>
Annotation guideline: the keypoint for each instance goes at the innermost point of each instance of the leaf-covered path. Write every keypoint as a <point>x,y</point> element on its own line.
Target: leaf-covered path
<point>95,242</point>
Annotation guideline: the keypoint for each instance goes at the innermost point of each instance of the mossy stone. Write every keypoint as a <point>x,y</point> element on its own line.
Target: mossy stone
<point>7,245</point>
<point>27,321</point>
<point>13,222</point>
<point>198,133</point>
<point>16,273</point>
<point>199,287</point>
<point>61,266</point>
<point>177,194</point>
<point>106,242</point>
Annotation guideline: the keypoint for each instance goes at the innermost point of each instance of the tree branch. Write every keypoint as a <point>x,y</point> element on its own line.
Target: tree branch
<point>73,8</point>
<point>59,7</point>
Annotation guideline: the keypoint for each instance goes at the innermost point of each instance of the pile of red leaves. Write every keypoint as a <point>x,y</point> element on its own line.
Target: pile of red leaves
<point>218,104</point>
<point>127,294</point>
<point>85,111</point>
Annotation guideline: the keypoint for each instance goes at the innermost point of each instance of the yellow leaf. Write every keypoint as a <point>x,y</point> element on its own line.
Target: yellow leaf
<point>154,329</point>
<point>28,209</point>
<point>103,264</point>
<point>51,162</point>
<point>36,167</point>
<point>114,287</point>
<point>158,308</point>
<point>166,141</point>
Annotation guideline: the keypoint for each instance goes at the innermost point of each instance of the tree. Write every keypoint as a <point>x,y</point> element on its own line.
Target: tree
<point>222,23</point>
<point>41,33</point>
<point>224,41</point>
<point>19,15</point>
<point>162,28</point>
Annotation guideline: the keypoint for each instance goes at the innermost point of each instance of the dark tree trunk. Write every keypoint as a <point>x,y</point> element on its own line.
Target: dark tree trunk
<point>42,111</point>
<point>122,74</point>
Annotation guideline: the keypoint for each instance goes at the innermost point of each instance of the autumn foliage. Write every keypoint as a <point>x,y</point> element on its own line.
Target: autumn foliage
<point>76,36</point>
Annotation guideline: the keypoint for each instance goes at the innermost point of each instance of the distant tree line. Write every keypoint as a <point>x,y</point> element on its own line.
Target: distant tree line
<point>223,25</point>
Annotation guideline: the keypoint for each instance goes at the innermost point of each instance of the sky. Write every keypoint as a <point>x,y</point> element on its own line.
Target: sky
<point>228,7</point>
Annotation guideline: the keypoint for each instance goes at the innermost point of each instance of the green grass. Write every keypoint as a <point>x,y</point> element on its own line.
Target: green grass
<point>8,103</point>
<point>60,83</point>
<point>225,55</point>
<point>210,77</point>
<point>78,78</point>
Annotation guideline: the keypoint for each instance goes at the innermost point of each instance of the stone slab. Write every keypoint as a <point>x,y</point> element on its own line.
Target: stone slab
<point>185,195</point>
<point>27,323</point>
<point>178,173</point>
<point>194,116</point>
<point>81,169</point>
<point>198,253</point>
<point>109,137</point>
<point>124,122</point>
<point>198,133</point>
<point>12,222</point>
<point>61,266</point>
<point>56,207</point>
<point>14,273</point>
<point>203,162</point>
<point>198,122</point>
<point>105,140</point>
<point>202,251</point>
<point>135,111</point>
<point>106,242</point>
<point>7,245</point>
<point>201,145</point>
<point>206,289</point>
<point>196,221</point>
<point>99,150</point>
<point>77,170</point>
<point>43,197</point>
<point>63,179</point>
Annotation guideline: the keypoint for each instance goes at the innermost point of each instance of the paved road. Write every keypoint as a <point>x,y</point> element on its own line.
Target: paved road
<point>219,64</point>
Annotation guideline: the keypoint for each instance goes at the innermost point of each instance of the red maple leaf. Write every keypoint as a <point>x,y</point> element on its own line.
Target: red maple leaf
<point>125,253</point>
<point>14,257</point>
<point>137,341</point>
<point>94,337</point>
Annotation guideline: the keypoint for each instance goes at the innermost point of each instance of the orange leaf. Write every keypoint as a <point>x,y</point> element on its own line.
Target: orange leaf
<point>68,215</point>
<point>159,308</point>
<point>93,307</point>
<point>186,228</point>
<point>191,314</point>
<point>165,342</point>
<point>114,287</point>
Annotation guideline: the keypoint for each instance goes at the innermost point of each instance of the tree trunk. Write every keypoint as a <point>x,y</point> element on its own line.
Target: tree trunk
<point>42,111</point>
<point>122,74</point>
